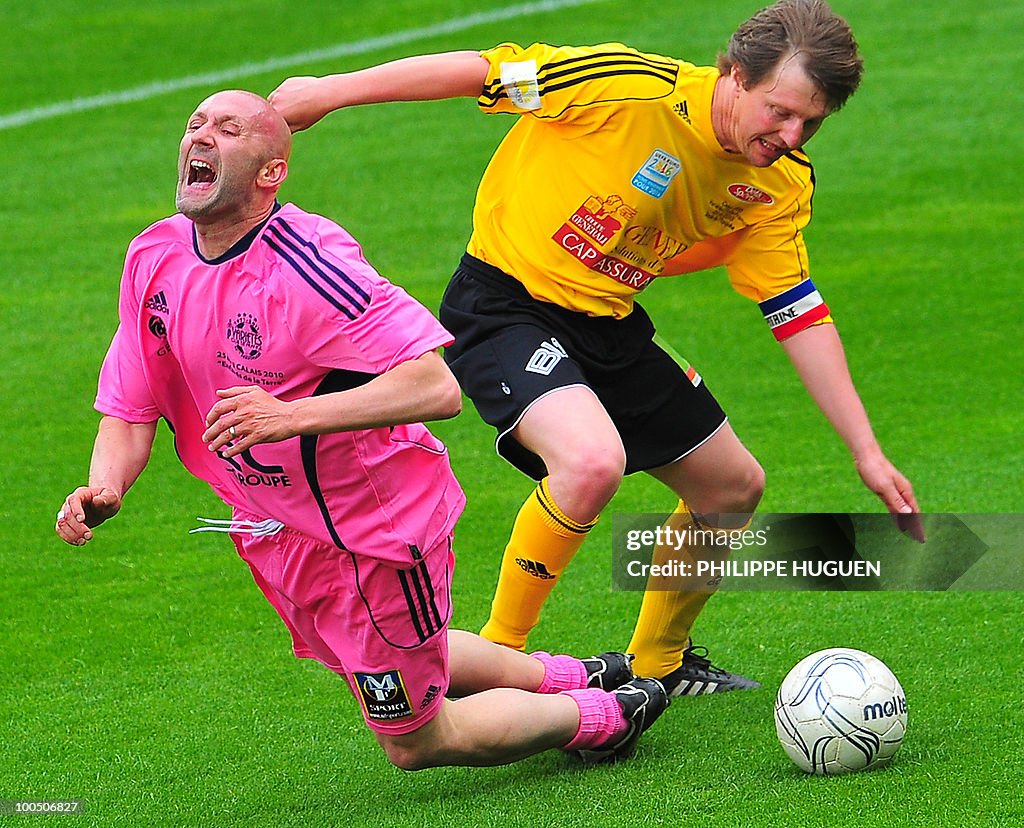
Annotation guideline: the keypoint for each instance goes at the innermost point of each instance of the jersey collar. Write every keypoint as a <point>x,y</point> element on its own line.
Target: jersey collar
<point>239,246</point>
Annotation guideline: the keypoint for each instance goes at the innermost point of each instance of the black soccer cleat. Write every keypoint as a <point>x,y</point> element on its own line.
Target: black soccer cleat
<point>608,670</point>
<point>642,700</point>
<point>697,676</point>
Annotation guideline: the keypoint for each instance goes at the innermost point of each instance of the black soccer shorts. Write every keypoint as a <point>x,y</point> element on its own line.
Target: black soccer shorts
<point>511,349</point>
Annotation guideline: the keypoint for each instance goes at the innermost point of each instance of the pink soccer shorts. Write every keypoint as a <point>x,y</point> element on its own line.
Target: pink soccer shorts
<point>384,628</point>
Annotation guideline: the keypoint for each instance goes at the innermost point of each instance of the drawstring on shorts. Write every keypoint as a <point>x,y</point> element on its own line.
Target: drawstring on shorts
<point>256,528</point>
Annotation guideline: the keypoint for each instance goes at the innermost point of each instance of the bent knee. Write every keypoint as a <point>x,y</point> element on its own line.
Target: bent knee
<point>592,473</point>
<point>408,754</point>
<point>754,483</point>
<point>738,492</point>
<point>744,490</point>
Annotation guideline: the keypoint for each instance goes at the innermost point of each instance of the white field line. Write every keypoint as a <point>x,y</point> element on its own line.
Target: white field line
<point>358,47</point>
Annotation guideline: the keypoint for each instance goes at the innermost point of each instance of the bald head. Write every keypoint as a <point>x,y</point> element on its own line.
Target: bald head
<point>266,123</point>
<point>232,160</point>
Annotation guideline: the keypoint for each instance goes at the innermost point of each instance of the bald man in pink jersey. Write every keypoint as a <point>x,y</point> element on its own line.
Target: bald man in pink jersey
<point>295,379</point>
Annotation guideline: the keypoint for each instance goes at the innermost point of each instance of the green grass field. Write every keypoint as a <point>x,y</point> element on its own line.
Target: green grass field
<point>147,676</point>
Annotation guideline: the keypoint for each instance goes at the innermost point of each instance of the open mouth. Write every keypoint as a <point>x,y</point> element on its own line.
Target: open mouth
<point>199,172</point>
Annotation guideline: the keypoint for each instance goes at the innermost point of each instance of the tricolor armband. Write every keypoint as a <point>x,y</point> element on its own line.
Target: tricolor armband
<point>794,309</point>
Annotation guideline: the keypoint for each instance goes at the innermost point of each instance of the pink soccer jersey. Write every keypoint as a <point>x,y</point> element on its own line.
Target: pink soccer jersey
<point>295,308</point>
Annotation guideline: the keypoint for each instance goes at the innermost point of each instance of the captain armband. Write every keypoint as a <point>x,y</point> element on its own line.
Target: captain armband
<point>793,310</point>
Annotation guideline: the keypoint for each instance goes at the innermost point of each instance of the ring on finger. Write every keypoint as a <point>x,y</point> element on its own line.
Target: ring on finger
<point>232,431</point>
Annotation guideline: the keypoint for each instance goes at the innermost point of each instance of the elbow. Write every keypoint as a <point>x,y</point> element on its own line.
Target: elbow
<point>449,400</point>
<point>441,396</point>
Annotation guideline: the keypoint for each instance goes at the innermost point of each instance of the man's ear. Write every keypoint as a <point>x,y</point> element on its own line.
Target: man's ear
<point>738,78</point>
<point>273,173</point>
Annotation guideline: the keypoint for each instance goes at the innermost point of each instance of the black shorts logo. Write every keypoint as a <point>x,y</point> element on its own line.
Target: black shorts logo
<point>546,357</point>
<point>383,695</point>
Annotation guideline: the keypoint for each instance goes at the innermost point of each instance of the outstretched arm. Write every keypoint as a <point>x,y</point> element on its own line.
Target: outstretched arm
<point>305,100</point>
<point>414,391</point>
<point>817,354</point>
<point>119,455</point>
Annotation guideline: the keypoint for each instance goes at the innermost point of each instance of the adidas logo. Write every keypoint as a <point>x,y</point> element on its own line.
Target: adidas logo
<point>536,569</point>
<point>431,694</point>
<point>682,111</point>
<point>157,302</point>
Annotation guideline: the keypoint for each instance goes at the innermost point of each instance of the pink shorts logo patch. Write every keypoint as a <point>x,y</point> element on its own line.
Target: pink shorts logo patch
<point>383,695</point>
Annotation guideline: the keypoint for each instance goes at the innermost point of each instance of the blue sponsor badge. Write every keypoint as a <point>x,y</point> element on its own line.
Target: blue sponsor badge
<point>657,173</point>
<point>383,695</point>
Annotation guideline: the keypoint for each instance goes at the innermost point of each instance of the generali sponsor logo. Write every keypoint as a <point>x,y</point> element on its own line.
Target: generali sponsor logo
<point>602,218</point>
<point>596,222</point>
<point>595,259</point>
<point>750,194</point>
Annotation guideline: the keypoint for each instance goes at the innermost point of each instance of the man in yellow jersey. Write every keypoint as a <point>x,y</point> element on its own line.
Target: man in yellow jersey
<point>623,167</point>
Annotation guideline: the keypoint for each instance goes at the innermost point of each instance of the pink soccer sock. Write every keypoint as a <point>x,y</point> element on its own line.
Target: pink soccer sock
<point>601,719</point>
<point>561,673</point>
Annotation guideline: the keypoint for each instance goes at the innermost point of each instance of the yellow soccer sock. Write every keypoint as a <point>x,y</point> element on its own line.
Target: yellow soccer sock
<point>543,542</point>
<point>670,606</point>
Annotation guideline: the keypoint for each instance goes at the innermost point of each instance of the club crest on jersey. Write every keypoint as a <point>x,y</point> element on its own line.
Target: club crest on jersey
<point>244,333</point>
<point>657,173</point>
<point>750,194</point>
<point>383,695</point>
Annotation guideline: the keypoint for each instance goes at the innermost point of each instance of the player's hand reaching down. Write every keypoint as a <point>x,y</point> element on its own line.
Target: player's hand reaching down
<point>84,508</point>
<point>894,490</point>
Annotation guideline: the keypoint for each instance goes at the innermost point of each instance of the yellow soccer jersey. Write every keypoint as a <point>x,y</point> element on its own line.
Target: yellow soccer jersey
<point>612,176</point>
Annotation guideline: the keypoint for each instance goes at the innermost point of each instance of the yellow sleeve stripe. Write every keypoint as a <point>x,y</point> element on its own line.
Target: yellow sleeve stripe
<point>563,74</point>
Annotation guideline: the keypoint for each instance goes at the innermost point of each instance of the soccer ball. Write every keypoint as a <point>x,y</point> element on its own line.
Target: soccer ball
<point>839,711</point>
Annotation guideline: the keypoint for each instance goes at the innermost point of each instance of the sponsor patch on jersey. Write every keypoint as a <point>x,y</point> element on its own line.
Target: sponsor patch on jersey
<point>793,310</point>
<point>520,81</point>
<point>383,695</point>
<point>158,328</point>
<point>750,194</point>
<point>579,246</point>
<point>657,173</point>
<point>601,218</point>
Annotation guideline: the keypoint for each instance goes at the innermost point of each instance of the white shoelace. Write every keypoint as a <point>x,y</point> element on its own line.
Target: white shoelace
<point>259,529</point>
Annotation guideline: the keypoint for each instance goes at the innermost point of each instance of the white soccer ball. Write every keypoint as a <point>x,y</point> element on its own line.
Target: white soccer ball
<point>839,711</point>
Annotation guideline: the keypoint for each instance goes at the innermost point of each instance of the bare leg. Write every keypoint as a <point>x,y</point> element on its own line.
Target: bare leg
<point>477,664</point>
<point>583,453</point>
<point>490,728</point>
<point>574,436</point>
<point>719,478</point>
<point>721,482</point>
